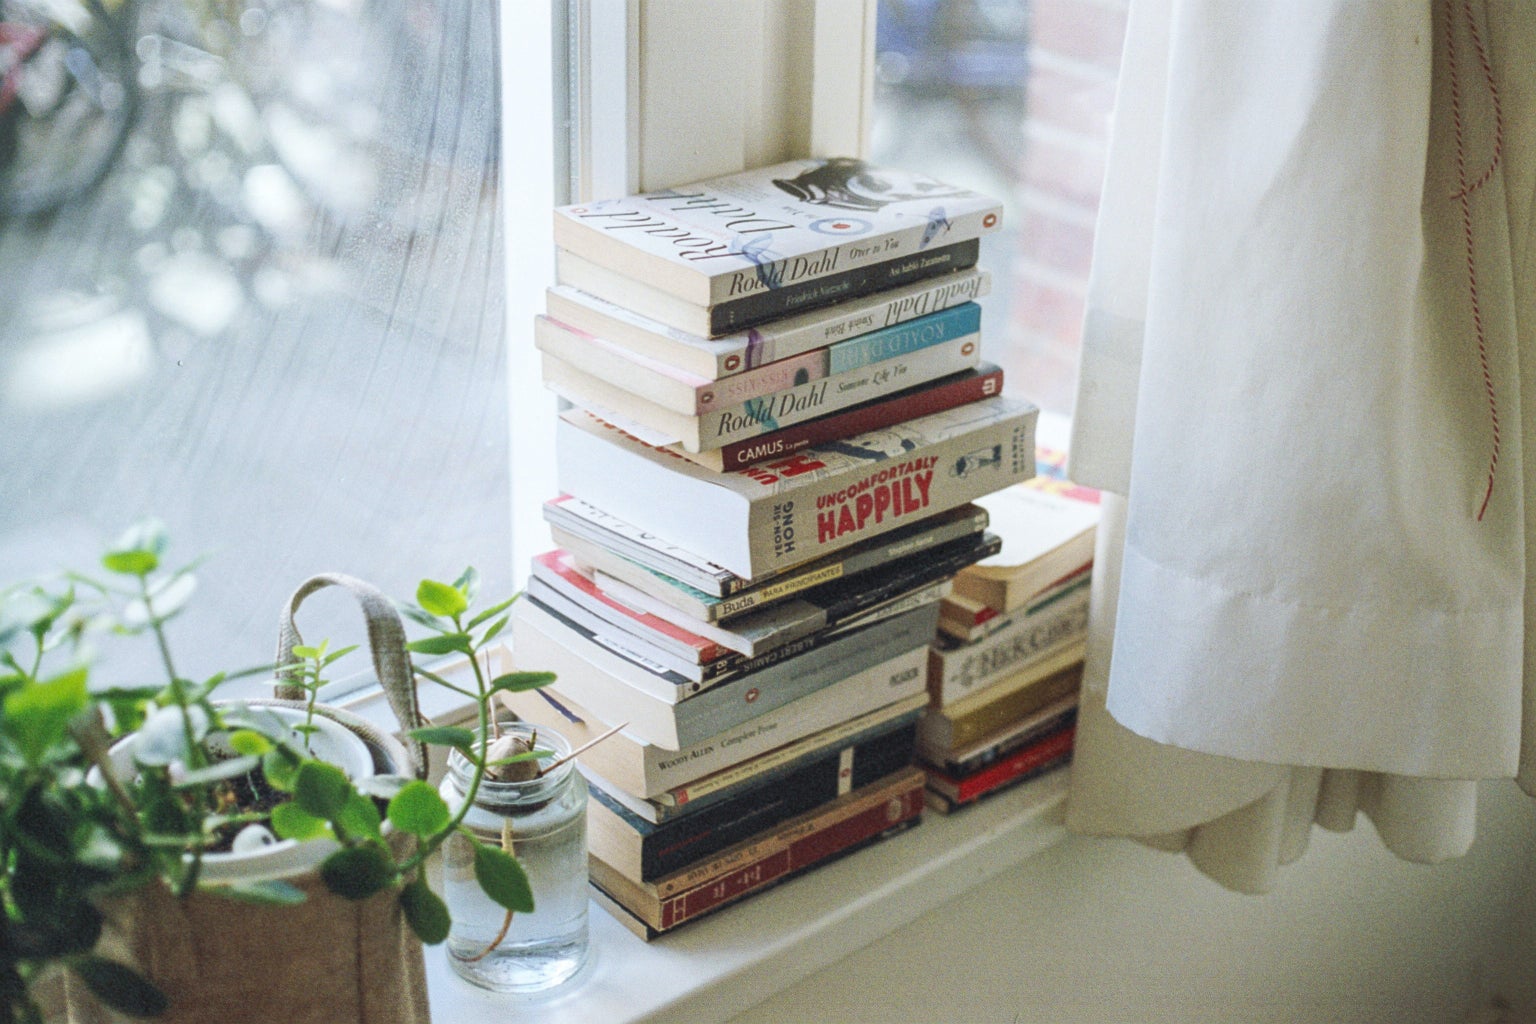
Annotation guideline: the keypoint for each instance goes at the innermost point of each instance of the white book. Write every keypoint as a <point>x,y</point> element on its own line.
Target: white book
<point>768,343</point>
<point>777,514</point>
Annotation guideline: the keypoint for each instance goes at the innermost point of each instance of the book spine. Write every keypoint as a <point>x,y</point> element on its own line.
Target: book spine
<point>679,843</point>
<point>872,415</point>
<point>604,528</point>
<point>944,732</point>
<point>903,339</point>
<point>1049,719</point>
<point>559,572</point>
<point>1027,761</point>
<point>957,672</point>
<point>812,846</point>
<point>765,304</point>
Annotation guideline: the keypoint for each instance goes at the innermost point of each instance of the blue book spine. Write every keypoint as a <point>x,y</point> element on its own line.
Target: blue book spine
<point>901,339</point>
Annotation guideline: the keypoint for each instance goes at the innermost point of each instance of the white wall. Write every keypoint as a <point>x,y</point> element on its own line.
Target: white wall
<point>1099,931</point>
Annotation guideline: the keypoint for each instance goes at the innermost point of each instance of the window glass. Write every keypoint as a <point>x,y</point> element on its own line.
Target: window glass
<point>1011,97</point>
<point>251,262</point>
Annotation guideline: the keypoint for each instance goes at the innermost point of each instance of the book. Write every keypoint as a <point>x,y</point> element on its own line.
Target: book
<point>1047,525</point>
<point>688,395</point>
<point>646,850</point>
<point>804,841</point>
<point>692,676</point>
<point>762,230</point>
<point>983,381</point>
<point>830,604</point>
<point>766,770</point>
<point>751,312</point>
<point>987,712</point>
<point>646,770</point>
<point>957,669</point>
<point>1047,753</point>
<point>991,748</point>
<point>965,619</point>
<point>754,417</point>
<point>628,691</point>
<point>771,342</point>
<point>778,514</point>
<point>557,570</point>
<point>711,592</point>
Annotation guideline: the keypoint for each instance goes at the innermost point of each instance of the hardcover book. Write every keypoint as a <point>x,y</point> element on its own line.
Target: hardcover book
<point>689,395</point>
<point>766,770</point>
<point>774,227</point>
<point>775,341</point>
<point>711,592</point>
<point>754,417</point>
<point>778,514</point>
<point>647,770</point>
<point>802,842</point>
<point>645,850</point>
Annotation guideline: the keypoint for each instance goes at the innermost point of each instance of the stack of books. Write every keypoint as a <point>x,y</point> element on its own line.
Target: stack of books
<point>1004,672</point>
<point>779,425</point>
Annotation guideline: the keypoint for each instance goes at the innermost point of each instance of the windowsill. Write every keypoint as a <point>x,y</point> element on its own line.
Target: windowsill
<point>722,965</point>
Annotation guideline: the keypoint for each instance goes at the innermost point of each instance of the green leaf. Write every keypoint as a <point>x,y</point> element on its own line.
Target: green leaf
<point>517,682</point>
<point>441,599</point>
<point>358,871</point>
<point>495,630</point>
<point>336,655</point>
<point>290,821</point>
<point>527,755</point>
<point>503,878</point>
<point>37,715</point>
<point>249,741</point>
<point>447,643</point>
<point>305,651</point>
<point>419,810</point>
<point>360,817</point>
<point>130,563</point>
<point>322,789</point>
<point>281,768</point>
<point>425,912</point>
<point>468,583</point>
<point>121,988</point>
<point>491,612</point>
<point>273,893</point>
<point>444,736</point>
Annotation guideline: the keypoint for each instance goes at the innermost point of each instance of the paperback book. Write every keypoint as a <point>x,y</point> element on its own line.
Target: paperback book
<point>984,714</point>
<point>711,592</point>
<point>1028,762</point>
<point>770,228</point>
<point>688,395</point>
<point>647,770</point>
<point>779,514</point>
<point>775,341</point>
<point>752,418</point>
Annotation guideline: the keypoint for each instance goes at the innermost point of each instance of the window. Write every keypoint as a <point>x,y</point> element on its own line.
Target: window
<point>276,321</point>
<point>1012,97</point>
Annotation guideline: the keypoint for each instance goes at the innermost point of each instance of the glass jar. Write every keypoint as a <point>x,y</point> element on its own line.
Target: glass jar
<point>543,823</point>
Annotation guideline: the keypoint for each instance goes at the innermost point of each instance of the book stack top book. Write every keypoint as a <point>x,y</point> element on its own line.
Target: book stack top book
<point>780,426</point>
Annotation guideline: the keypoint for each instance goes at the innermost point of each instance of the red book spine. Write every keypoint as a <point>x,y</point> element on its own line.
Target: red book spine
<point>1021,762</point>
<point>984,383</point>
<point>801,853</point>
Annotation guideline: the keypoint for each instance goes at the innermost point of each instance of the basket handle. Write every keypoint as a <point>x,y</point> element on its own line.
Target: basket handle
<point>386,642</point>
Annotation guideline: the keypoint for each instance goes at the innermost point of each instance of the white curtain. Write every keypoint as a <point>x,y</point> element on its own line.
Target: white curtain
<point>1308,345</point>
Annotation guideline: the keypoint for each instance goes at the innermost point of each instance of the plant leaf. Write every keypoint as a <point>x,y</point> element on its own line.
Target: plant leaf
<point>37,715</point>
<point>281,768</point>
<point>218,771</point>
<point>419,809</point>
<point>137,552</point>
<point>249,741</point>
<point>384,787</point>
<point>290,821</point>
<point>360,817</point>
<point>441,599</point>
<point>444,736</point>
<point>491,612</point>
<point>517,682</point>
<point>425,912</point>
<point>121,988</point>
<point>468,583</point>
<point>322,789</point>
<point>447,643</point>
<point>495,630</point>
<point>358,871</point>
<point>503,878</point>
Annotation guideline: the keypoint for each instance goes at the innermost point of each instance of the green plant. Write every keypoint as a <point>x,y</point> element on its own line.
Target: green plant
<point>73,831</point>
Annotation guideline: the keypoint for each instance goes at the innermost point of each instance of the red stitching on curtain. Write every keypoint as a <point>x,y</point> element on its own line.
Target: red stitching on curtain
<point>1464,195</point>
